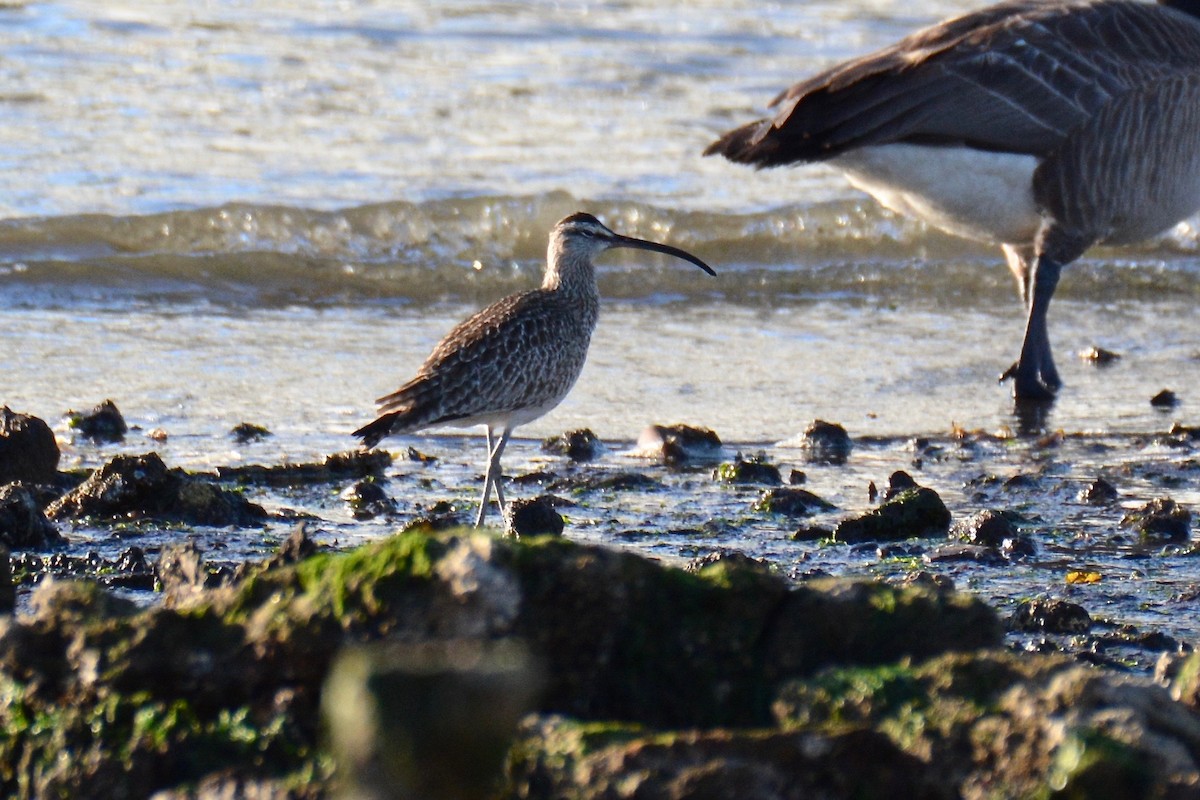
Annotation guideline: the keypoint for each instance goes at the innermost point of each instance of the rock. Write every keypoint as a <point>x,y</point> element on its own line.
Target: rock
<point>427,720</point>
<point>230,684</point>
<point>336,467</point>
<point>1000,724</point>
<point>246,432</point>
<point>961,551</point>
<point>812,533</point>
<point>1165,399</point>
<point>728,558</point>
<point>912,513</point>
<point>791,502</point>
<point>1162,519</point>
<point>557,758</point>
<point>533,517</point>
<point>797,478</point>
<point>23,525</point>
<point>679,444</point>
<point>899,481</point>
<point>622,481</point>
<point>1098,493</point>
<point>748,471</point>
<point>1050,616</point>
<point>1099,356</point>
<point>368,500</point>
<point>297,547</point>
<point>181,574</point>
<point>826,442</point>
<point>988,528</point>
<point>577,445</point>
<point>8,592</point>
<point>132,487</point>
<point>103,423</point>
<point>28,451</point>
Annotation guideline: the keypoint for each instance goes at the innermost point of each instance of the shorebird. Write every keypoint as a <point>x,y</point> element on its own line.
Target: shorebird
<point>515,360</point>
<point>1044,127</point>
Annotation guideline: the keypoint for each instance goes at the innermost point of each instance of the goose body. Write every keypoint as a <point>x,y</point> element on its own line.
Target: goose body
<point>1045,127</point>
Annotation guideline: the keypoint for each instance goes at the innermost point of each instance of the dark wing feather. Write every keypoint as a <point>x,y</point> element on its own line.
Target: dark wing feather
<point>1017,77</point>
<point>516,353</point>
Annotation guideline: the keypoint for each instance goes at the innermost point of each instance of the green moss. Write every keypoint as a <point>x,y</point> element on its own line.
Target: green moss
<point>1090,765</point>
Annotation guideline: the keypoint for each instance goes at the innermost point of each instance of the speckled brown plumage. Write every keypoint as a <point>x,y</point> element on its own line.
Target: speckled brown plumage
<point>516,359</point>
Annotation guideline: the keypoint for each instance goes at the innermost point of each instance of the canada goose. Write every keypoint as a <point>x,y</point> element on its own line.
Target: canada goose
<point>1045,127</point>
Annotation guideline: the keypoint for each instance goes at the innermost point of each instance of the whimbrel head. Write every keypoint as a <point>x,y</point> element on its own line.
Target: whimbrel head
<point>580,238</point>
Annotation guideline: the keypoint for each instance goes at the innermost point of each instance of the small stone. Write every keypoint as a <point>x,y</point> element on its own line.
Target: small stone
<point>28,451</point>
<point>1099,356</point>
<point>961,551</point>
<point>812,533</point>
<point>1050,616</point>
<point>791,502</point>
<point>988,528</point>
<point>577,445</point>
<point>1162,519</point>
<point>533,517</point>
<point>748,471</point>
<point>368,500</point>
<point>103,423</point>
<point>1164,399</point>
<point>797,478</point>
<point>1098,493</point>
<point>247,432</point>
<point>1019,546</point>
<point>826,442</point>
<point>679,444</point>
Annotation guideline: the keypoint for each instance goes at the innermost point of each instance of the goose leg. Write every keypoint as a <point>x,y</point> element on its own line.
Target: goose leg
<point>493,475</point>
<point>1035,377</point>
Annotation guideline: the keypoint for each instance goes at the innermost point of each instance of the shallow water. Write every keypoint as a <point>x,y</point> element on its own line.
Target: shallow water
<point>214,213</point>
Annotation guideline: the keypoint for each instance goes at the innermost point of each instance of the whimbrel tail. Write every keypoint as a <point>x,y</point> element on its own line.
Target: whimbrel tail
<point>373,433</point>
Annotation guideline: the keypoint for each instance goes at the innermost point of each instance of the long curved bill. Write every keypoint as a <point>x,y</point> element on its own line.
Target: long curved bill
<point>642,244</point>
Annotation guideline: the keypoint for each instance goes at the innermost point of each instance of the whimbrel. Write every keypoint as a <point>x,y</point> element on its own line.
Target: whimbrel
<point>515,360</point>
<point>1045,127</point>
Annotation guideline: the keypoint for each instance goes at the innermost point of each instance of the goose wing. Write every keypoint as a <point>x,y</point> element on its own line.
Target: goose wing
<point>1016,77</point>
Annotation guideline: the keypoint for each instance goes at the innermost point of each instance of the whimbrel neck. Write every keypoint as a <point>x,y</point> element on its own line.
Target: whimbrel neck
<point>569,273</point>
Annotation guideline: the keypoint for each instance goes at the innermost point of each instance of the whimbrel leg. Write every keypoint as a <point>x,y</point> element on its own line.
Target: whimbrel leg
<point>492,477</point>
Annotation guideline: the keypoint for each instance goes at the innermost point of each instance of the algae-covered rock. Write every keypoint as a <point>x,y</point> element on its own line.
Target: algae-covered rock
<point>679,444</point>
<point>577,445</point>
<point>142,486</point>
<point>559,758</point>
<point>23,524</point>
<point>28,451</point>
<point>231,680</point>
<point>999,724</point>
<point>911,513</point>
<point>103,423</point>
<point>748,471</point>
<point>826,442</point>
<point>1161,519</point>
<point>427,720</point>
<point>533,516</point>
<point>791,502</point>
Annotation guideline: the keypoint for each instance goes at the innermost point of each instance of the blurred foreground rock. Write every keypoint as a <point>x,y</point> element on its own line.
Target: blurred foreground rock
<point>651,682</point>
